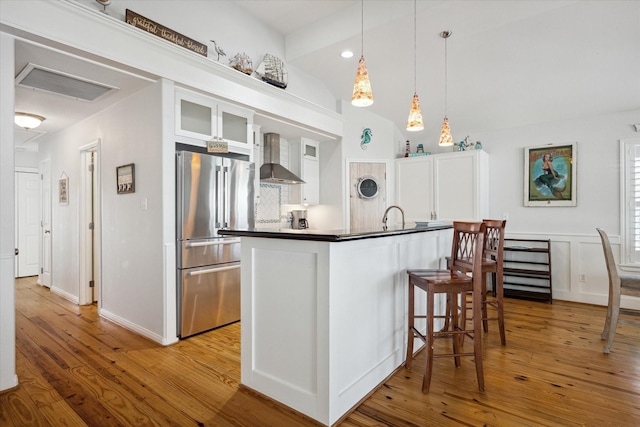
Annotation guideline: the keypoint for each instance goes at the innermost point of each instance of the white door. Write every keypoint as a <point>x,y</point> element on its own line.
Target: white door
<point>45,262</point>
<point>89,224</point>
<point>27,223</point>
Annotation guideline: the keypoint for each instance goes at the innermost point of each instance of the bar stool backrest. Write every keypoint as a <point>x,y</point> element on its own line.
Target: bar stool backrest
<point>468,238</point>
<point>494,240</point>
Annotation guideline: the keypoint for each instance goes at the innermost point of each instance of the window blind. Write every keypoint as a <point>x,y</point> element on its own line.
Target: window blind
<point>631,197</point>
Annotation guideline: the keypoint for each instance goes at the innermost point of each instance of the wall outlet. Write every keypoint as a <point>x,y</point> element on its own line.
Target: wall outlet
<point>583,277</point>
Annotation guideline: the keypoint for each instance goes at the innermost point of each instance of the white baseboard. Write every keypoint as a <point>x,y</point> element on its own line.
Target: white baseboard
<point>137,328</point>
<point>64,294</point>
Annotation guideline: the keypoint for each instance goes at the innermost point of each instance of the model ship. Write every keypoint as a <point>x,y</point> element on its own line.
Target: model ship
<point>242,62</point>
<point>273,71</point>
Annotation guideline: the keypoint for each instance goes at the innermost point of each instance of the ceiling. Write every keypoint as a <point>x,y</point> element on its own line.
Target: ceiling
<point>509,63</point>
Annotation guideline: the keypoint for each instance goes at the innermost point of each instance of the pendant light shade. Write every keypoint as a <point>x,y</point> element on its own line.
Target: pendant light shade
<point>445,134</point>
<point>362,93</point>
<point>414,123</point>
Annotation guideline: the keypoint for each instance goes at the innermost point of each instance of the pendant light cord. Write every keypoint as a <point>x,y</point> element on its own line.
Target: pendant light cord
<point>362,28</point>
<point>445,76</point>
<point>414,47</point>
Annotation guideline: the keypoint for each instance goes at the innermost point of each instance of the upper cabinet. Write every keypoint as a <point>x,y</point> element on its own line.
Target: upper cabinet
<point>449,186</point>
<point>205,118</point>
<point>304,156</point>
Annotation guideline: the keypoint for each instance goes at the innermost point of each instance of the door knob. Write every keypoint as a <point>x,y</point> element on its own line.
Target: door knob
<point>17,251</point>
<point>47,231</point>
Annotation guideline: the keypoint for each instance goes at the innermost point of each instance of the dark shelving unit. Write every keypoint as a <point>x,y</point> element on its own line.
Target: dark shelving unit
<point>527,269</point>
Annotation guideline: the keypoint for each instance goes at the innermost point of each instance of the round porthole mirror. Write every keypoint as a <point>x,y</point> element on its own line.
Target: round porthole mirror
<point>367,187</point>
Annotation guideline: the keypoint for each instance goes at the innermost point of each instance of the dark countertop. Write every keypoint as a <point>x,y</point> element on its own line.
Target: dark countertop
<point>338,235</point>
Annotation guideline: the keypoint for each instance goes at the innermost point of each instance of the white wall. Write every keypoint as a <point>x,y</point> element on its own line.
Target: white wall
<point>132,250</point>
<point>335,156</point>
<point>26,159</point>
<point>233,29</point>
<point>8,377</point>
<point>576,250</point>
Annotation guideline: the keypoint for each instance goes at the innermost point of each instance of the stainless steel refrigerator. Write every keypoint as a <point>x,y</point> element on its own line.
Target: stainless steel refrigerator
<point>212,193</point>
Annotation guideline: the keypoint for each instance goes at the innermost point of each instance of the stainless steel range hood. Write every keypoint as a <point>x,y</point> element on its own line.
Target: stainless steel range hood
<point>272,170</point>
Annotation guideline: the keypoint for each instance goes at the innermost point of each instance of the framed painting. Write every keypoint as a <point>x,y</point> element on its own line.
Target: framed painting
<point>126,175</point>
<point>550,175</point>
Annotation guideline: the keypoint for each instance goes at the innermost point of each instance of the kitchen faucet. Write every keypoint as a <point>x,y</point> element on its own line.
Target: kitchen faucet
<point>384,217</point>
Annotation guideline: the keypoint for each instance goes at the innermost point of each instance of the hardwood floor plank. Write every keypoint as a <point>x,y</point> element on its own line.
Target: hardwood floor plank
<point>50,405</point>
<point>76,368</point>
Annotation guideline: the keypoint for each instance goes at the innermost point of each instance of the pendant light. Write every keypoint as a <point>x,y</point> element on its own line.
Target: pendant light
<point>362,93</point>
<point>445,134</point>
<point>414,123</point>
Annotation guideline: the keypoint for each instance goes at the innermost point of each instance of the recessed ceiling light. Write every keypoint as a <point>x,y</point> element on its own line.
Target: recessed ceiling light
<point>346,54</point>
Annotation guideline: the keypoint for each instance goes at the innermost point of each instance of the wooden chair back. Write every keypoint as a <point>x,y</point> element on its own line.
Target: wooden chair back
<point>494,240</point>
<point>467,247</point>
<point>612,268</point>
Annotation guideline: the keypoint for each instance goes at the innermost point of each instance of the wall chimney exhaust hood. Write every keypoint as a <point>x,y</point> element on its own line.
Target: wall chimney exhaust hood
<point>272,171</point>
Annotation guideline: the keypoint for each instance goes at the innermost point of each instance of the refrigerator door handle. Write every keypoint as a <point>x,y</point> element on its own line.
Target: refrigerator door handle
<point>221,242</point>
<point>211,270</point>
<point>226,201</point>
<point>217,196</point>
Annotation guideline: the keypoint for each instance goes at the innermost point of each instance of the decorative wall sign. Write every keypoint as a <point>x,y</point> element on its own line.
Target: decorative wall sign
<point>63,189</point>
<point>550,175</point>
<point>163,32</point>
<point>126,178</point>
<point>217,145</point>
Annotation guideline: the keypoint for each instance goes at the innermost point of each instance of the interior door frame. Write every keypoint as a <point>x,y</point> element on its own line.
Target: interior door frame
<point>87,246</point>
<point>46,208</point>
<point>347,185</point>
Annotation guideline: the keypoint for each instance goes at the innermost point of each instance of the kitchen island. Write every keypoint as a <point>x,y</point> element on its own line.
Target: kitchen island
<point>323,313</point>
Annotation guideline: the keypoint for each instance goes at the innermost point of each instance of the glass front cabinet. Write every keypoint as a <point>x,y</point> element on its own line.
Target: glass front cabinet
<point>200,118</point>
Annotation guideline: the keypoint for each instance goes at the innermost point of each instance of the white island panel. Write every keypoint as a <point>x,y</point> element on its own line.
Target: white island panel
<point>324,322</point>
<point>289,310</point>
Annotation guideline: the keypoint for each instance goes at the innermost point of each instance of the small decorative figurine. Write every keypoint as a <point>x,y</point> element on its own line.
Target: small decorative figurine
<point>218,49</point>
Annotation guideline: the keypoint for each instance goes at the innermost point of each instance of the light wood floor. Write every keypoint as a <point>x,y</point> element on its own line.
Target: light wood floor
<point>77,369</point>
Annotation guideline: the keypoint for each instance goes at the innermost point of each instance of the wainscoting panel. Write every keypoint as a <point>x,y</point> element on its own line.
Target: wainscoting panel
<point>578,270</point>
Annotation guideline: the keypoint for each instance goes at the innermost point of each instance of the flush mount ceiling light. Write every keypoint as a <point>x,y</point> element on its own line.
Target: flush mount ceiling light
<point>28,121</point>
<point>414,123</point>
<point>362,93</point>
<point>445,134</point>
<point>346,54</point>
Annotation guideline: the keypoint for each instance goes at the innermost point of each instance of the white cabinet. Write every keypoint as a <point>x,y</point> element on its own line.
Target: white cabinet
<point>304,162</point>
<point>448,186</point>
<point>204,118</point>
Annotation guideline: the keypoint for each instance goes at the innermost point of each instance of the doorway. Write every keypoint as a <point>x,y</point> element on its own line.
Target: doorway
<point>367,194</point>
<point>89,247</point>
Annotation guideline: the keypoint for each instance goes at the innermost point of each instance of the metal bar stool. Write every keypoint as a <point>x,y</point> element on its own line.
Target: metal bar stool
<point>466,255</point>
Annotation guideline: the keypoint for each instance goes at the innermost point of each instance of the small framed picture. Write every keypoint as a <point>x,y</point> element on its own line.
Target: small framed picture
<point>63,190</point>
<point>550,175</point>
<point>126,178</point>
